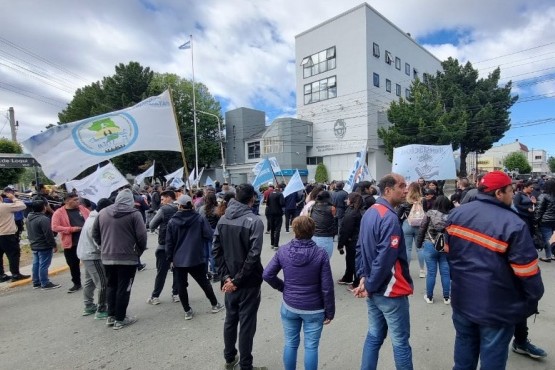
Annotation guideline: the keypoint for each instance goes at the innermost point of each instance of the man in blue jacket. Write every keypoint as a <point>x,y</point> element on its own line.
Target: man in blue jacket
<point>496,281</point>
<point>381,260</point>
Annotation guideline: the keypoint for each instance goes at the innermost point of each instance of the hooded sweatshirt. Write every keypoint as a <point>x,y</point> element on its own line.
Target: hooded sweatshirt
<point>87,249</point>
<point>120,231</point>
<point>237,246</point>
<point>39,232</point>
<point>308,285</point>
<point>186,236</point>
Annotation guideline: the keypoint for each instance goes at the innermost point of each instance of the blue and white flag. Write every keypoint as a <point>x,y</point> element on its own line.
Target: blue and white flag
<point>177,182</point>
<point>265,174</point>
<point>99,184</point>
<point>174,174</point>
<point>295,184</point>
<point>148,173</point>
<point>431,162</point>
<point>186,45</point>
<point>64,151</point>
<point>197,179</point>
<point>273,161</point>
<point>209,181</point>
<point>359,172</point>
<point>191,179</point>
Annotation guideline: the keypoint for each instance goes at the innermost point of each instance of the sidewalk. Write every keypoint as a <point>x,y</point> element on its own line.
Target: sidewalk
<point>57,266</point>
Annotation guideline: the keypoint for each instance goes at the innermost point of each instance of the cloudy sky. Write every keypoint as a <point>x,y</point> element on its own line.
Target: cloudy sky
<point>244,49</point>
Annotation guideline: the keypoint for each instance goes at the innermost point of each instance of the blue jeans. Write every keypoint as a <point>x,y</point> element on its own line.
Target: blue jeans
<point>411,232</point>
<point>209,258</point>
<point>324,242</point>
<point>387,313</point>
<point>546,231</point>
<point>41,263</point>
<point>433,259</point>
<point>489,343</point>
<point>312,324</point>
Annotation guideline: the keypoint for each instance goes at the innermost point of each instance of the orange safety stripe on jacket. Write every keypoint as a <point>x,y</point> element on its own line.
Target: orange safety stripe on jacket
<point>476,237</point>
<point>528,269</point>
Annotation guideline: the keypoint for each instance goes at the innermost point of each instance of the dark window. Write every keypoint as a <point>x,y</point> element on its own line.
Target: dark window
<point>398,63</point>
<point>387,85</point>
<point>376,50</point>
<point>407,93</point>
<point>253,150</point>
<point>397,89</point>
<point>415,73</point>
<point>320,90</point>
<point>388,57</point>
<point>376,80</point>
<point>407,69</point>
<point>314,160</point>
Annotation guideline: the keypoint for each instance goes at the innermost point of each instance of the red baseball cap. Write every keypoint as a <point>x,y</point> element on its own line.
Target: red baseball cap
<point>495,180</point>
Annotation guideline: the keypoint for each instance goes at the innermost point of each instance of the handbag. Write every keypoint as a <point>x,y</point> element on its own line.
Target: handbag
<point>439,242</point>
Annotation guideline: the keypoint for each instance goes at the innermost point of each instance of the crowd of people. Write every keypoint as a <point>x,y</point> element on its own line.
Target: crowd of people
<point>215,235</point>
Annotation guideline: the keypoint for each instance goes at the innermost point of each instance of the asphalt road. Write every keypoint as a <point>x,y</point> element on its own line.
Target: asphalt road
<point>44,330</point>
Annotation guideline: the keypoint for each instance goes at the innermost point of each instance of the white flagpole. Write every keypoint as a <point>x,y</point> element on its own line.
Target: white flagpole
<point>194,107</point>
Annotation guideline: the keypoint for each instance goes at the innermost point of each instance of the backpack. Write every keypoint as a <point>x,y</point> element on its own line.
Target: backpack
<point>416,214</point>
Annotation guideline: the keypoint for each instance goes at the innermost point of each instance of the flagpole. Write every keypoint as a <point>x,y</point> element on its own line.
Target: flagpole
<point>185,169</point>
<point>194,106</point>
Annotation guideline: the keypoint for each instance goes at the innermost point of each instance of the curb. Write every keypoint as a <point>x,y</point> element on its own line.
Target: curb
<point>55,271</point>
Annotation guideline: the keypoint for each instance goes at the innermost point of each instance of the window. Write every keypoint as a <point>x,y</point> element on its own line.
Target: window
<point>537,157</point>
<point>407,93</point>
<point>415,73</point>
<point>253,150</point>
<point>314,160</point>
<point>387,85</point>
<point>376,80</point>
<point>397,89</point>
<point>318,63</point>
<point>398,63</point>
<point>376,50</point>
<point>388,57</point>
<point>273,145</point>
<point>320,90</point>
<point>407,69</point>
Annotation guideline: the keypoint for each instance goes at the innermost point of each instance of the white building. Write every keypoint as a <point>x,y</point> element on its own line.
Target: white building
<point>349,69</point>
<point>537,158</point>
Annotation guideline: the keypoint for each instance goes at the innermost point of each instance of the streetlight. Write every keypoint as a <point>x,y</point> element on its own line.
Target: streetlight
<point>225,174</point>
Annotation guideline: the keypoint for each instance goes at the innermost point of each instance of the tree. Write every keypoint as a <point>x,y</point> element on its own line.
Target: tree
<point>10,175</point>
<point>476,109</point>
<point>551,163</point>
<point>321,175</point>
<point>517,161</point>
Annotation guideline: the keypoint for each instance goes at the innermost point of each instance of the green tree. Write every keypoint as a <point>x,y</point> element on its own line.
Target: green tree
<point>321,175</point>
<point>551,163</point>
<point>476,110</point>
<point>517,161</point>
<point>10,175</point>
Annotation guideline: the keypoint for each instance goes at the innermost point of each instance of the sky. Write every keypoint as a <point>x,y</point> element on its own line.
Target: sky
<point>244,50</point>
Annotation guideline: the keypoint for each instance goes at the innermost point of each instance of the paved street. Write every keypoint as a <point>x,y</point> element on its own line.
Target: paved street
<point>45,329</point>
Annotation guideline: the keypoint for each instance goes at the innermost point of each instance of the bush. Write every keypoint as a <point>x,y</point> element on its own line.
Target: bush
<point>321,174</point>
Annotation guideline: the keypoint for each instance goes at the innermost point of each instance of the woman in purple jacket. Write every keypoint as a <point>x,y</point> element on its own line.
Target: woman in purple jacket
<point>308,296</point>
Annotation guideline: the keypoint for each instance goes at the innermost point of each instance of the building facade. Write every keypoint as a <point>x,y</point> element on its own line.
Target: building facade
<point>348,70</point>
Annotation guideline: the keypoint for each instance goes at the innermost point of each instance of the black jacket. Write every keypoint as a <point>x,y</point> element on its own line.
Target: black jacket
<point>522,204</point>
<point>275,204</point>
<point>39,232</point>
<point>161,220</point>
<point>326,225</point>
<point>348,234</point>
<point>545,211</point>
<point>186,236</point>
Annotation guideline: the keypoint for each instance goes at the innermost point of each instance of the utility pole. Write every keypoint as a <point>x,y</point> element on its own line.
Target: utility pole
<point>12,123</point>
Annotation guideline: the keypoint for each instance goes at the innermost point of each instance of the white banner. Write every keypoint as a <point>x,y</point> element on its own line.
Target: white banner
<point>359,172</point>
<point>99,184</point>
<point>148,173</point>
<point>431,162</point>
<point>197,179</point>
<point>64,151</point>
<point>174,174</point>
<point>273,161</point>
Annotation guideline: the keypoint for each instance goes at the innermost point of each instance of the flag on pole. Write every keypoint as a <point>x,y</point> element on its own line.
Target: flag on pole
<point>191,179</point>
<point>209,181</point>
<point>174,174</point>
<point>357,171</point>
<point>64,151</point>
<point>148,173</point>
<point>177,182</point>
<point>186,45</point>
<point>273,162</point>
<point>197,180</point>
<point>295,184</point>
<point>99,184</point>
<point>264,175</point>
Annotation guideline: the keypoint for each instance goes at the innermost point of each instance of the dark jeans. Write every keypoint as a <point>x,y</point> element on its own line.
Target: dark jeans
<point>290,215</point>
<point>118,288</point>
<point>350,262</point>
<point>275,228</point>
<point>10,246</point>
<point>241,309</point>
<point>162,268</point>
<point>198,273</point>
<point>20,228</point>
<point>521,332</point>
<point>73,262</point>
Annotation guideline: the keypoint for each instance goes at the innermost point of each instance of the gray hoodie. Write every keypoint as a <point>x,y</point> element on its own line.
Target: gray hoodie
<point>87,249</point>
<point>120,231</point>
<point>39,232</point>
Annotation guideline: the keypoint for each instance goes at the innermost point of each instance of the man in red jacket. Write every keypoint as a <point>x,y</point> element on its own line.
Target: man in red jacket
<point>68,221</point>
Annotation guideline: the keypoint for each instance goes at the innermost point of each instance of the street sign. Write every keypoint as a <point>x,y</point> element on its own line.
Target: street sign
<point>17,161</point>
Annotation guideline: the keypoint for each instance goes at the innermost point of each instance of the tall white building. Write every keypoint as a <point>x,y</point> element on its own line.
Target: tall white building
<point>349,69</point>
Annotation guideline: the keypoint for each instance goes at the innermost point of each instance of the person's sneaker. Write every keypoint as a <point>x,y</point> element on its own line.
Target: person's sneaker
<point>36,286</point>
<point>50,285</point>
<point>528,349</point>
<point>422,274</point>
<point>446,300</point>
<point>74,288</point>
<point>5,278</point>
<point>110,320</point>
<point>428,299</point>
<point>189,314</point>
<point>142,267</point>
<point>124,323</point>
<point>175,298</point>
<point>153,301</point>
<point>89,310</point>
<point>231,365</point>
<point>344,282</point>
<point>217,308</point>
<point>101,315</point>
<point>20,277</point>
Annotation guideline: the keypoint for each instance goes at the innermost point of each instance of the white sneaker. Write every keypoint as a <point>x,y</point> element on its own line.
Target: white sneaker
<point>428,300</point>
<point>153,301</point>
<point>447,300</point>
<point>176,298</point>
<point>422,274</point>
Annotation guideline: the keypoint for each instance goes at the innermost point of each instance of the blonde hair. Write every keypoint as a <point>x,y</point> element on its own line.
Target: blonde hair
<point>414,194</point>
